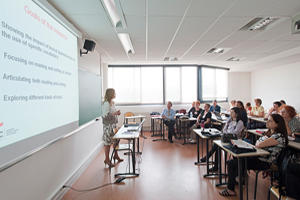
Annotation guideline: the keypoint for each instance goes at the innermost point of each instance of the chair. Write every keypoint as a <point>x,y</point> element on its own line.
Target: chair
<point>273,168</point>
<point>129,114</point>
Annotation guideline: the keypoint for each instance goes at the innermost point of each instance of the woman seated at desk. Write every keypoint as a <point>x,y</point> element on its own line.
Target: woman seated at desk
<point>204,116</point>
<point>274,109</point>
<point>195,112</point>
<point>273,141</point>
<point>292,123</point>
<point>233,125</point>
<point>257,111</point>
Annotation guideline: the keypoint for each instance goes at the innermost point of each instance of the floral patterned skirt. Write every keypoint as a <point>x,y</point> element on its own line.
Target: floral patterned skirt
<point>108,134</point>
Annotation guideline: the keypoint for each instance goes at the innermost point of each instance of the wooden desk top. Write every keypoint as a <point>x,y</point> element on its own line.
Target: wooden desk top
<point>121,135</point>
<point>198,132</point>
<point>294,144</point>
<point>259,152</point>
<point>189,119</point>
<point>135,117</point>
<point>253,131</point>
<point>258,119</point>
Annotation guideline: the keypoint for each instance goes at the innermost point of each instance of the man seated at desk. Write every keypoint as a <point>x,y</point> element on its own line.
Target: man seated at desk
<point>168,114</point>
<point>214,107</point>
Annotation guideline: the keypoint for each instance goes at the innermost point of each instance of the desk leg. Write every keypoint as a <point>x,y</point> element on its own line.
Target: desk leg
<point>142,130</point>
<point>220,169</point>
<point>162,132</point>
<point>240,160</point>
<point>198,159</point>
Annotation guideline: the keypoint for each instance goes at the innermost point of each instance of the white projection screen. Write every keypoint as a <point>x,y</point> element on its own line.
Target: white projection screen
<point>39,80</point>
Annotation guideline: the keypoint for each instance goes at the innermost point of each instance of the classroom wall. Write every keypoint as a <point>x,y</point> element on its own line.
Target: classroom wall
<point>239,86</point>
<point>44,173</point>
<point>277,83</point>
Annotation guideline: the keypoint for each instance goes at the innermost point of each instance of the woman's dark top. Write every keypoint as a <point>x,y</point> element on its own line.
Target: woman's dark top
<point>204,118</point>
<point>194,112</point>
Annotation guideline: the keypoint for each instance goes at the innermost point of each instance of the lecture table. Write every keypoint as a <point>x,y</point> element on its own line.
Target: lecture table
<point>123,135</point>
<point>185,122</point>
<point>259,152</point>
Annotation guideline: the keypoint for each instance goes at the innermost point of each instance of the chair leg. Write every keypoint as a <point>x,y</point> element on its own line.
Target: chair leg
<point>255,186</point>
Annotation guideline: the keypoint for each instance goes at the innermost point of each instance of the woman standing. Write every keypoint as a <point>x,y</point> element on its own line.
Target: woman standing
<point>110,119</point>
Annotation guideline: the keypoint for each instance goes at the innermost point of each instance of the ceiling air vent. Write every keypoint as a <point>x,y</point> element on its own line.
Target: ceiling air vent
<point>218,50</point>
<point>235,59</point>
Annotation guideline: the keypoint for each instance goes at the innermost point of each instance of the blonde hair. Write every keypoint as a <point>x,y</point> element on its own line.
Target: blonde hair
<point>109,94</point>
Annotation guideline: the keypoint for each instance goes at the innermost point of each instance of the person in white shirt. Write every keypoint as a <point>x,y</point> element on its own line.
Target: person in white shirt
<point>168,114</point>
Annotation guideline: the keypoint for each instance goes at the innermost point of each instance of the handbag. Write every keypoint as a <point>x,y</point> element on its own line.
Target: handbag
<point>226,137</point>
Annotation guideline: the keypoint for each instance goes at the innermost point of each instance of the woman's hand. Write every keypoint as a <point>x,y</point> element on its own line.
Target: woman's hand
<point>118,112</point>
<point>257,146</point>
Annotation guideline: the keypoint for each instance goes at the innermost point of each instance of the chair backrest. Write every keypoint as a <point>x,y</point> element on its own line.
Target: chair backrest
<point>128,114</point>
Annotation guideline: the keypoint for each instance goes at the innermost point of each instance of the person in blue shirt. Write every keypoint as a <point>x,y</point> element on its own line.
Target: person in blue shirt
<point>214,107</point>
<point>168,114</point>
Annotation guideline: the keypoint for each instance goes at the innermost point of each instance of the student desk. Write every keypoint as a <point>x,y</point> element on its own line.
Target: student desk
<point>133,135</point>
<point>186,125</point>
<point>137,117</point>
<point>256,119</point>
<point>254,133</point>
<point>199,134</point>
<point>154,120</point>
<point>295,145</point>
<point>259,152</point>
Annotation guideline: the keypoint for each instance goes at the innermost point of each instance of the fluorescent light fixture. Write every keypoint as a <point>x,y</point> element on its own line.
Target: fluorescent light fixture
<point>170,59</point>
<point>216,50</point>
<point>126,42</point>
<point>235,59</point>
<point>262,23</point>
<point>115,12</point>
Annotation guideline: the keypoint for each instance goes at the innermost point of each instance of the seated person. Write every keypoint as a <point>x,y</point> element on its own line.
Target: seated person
<point>282,102</point>
<point>193,107</point>
<point>214,107</point>
<point>248,107</point>
<point>204,116</point>
<point>233,125</point>
<point>274,109</point>
<point>168,114</point>
<point>195,112</point>
<point>244,116</point>
<point>258,109</point>
<point>292,122</point>
<point>232,103</point>
<point>273,141</point>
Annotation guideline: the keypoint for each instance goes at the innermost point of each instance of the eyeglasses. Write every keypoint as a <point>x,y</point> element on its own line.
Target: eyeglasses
<point>283,111</point>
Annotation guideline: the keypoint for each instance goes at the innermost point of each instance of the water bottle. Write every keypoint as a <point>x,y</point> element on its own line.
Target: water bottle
<point>202,125</point>
<point>191,115</point>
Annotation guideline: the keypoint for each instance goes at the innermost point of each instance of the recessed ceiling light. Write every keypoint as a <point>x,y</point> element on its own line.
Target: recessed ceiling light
<point>170,59</point>
<point>261,23</point>
<point>218,50</point>
<point>235,59</point>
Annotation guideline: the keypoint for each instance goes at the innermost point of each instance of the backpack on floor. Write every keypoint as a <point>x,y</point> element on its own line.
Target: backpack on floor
<point>290,177</point>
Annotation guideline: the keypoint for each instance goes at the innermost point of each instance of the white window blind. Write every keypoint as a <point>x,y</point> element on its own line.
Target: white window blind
<point>214,84</point>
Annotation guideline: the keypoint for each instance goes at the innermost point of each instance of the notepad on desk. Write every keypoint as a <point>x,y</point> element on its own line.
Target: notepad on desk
<point>241,144</point>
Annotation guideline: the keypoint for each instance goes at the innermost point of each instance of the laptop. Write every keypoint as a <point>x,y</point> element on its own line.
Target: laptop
<point>135,127</point>
<point>219,117</point>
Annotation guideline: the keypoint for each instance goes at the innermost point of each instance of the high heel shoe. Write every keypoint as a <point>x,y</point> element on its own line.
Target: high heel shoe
<point>118,159</point>
<point>108,163</point>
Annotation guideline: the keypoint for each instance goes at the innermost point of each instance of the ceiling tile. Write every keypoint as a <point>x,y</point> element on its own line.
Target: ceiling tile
<point>285,8</point>
<point>205,8</point>
<point>167,7</point>
<point>245,8</point>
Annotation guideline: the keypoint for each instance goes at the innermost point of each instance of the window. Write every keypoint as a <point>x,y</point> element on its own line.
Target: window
<point>181,84</point>
<point>137,85</point>
<point>159,84</point>
<point>214,84</point>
